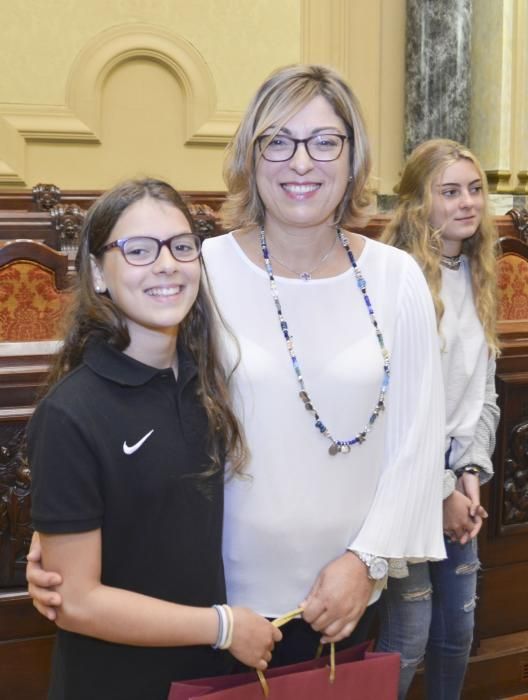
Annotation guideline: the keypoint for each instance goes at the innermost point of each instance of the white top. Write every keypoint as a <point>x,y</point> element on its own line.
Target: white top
<point>464,353</point>
<point>300,508</point>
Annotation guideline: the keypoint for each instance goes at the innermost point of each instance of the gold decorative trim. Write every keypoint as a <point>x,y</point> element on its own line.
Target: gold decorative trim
<point>499,181</point>
<point>522,186</point>
<point>79,119</point>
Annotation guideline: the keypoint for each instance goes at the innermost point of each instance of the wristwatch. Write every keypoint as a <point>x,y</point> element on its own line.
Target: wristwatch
<point>377,567</point>
<point>468,469</point>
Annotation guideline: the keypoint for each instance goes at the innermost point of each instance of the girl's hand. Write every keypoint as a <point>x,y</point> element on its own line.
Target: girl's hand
<point>458,522</point>
<point>469,485</point>
<point>41,582</point>
<point>253,638</point>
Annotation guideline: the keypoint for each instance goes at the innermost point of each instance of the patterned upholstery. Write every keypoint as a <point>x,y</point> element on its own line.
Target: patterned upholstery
<point>513,286</point>
<point>32,304</point>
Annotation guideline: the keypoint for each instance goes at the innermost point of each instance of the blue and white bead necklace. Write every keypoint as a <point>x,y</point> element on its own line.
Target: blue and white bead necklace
<point>337,446</point>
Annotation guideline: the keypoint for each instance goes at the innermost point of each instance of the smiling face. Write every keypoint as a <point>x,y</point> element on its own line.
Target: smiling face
<point>457,204</point>
<point>153,298</point>
<point>301,192</point>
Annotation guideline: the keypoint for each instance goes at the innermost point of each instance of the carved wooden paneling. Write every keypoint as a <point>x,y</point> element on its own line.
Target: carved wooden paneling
<point>21,380</point>
<point>206,219</point>
<point>19,387</point>
<point>515,487</point>
<point>503,543</point>
<point>520,219</point>
<point>15,508</point>
<point>25,663</point>
<point>26,638</point>
<point>26,200</point>
<point>45,196</point>
<point>35,225</point>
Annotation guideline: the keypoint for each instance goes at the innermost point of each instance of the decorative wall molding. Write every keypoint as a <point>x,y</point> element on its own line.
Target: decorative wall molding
<point>499,100</point>
<point>324,28</point>
<point>329,35</point>
<point>79,119</point>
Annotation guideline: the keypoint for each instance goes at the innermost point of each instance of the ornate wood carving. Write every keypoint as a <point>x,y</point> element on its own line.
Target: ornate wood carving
<point>15,508</point>
<point>46,196</point>
<point>515,494</point>
<point>68,221</point>
<point>520,219</point>
<point>206,219</point>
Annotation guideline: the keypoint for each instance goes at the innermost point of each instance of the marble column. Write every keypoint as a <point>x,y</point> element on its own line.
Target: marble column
<point>438,71</point>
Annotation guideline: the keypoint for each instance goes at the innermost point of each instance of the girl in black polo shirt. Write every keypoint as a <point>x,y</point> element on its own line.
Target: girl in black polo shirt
<point>127,451</point>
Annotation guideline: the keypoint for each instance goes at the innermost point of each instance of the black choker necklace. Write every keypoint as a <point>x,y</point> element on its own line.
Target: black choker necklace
<point>452,262</point>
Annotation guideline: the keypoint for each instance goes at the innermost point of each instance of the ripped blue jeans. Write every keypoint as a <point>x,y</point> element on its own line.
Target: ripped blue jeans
<point>429,616</point>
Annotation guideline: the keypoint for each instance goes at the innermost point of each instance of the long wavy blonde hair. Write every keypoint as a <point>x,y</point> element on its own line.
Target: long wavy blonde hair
<point>410,229</point>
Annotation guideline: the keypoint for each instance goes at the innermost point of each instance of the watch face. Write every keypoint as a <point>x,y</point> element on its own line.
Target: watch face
<point>378,568</point>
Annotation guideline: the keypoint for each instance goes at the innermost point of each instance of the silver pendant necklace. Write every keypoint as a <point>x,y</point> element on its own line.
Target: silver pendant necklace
<point>307,275</point>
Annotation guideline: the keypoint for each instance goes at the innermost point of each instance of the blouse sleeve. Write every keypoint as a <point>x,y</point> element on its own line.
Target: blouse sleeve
<point>405,520</point>
<point>481,449</point>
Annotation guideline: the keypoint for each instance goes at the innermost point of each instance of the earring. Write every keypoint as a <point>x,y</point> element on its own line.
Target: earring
<point>98,289</point>
<point>350,178</point>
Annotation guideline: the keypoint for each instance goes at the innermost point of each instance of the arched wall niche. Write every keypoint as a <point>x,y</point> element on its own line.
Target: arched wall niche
<point>78,121</point>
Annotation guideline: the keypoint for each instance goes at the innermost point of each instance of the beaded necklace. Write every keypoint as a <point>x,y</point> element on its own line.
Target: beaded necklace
<point>337,446</point>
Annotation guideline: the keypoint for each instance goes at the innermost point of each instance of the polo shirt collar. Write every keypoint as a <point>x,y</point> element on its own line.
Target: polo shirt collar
<point>110,363</point>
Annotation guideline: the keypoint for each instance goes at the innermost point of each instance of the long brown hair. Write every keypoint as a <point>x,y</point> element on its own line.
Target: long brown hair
<point>410,229</point>
<point>281,96</point>
<point>94,315</point>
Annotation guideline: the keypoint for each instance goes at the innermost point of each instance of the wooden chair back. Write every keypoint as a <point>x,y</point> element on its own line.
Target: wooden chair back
<point>512,280</point>
<point>33,291</point>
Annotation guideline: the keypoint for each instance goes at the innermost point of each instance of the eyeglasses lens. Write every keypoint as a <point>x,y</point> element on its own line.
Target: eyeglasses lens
<point>145,250</point>
<point>322,147</point>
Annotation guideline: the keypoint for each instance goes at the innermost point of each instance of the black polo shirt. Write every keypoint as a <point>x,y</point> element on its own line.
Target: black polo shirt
<point>118,445</point>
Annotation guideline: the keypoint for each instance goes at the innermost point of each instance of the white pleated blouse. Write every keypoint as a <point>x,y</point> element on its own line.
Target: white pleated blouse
<point>300,507</point>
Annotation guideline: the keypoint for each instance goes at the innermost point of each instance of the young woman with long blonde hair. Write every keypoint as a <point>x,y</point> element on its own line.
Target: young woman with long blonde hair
<point>443,221</point>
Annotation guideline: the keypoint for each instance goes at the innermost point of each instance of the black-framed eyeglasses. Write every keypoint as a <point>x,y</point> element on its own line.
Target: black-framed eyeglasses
<point>144,250</point>
<point>321,147</point>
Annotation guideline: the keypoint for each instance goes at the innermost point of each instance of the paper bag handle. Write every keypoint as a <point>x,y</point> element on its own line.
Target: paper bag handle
<point>279,622</point>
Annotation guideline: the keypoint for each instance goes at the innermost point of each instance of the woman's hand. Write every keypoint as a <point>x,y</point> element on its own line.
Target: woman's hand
<point>41,583</point>
<point>253,638</point>
<point>338,598</point>
<point>459,523</point>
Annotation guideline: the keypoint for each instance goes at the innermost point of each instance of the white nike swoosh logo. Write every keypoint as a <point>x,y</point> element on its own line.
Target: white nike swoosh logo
<point>133,448</point>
